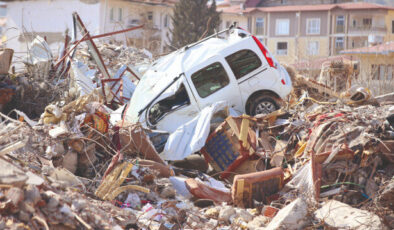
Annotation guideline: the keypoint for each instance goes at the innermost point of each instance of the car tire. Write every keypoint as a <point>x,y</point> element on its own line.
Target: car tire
<point>263,105</point>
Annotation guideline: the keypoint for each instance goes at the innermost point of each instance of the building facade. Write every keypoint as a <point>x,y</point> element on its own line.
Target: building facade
<point>155,15</point>
<point>294,33</point>
<point>298,33</point>
<point>376,66</point>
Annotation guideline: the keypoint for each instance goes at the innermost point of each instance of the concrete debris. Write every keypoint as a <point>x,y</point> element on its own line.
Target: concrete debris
<point>293,216</point>
<point>336,214</point>
<point>72,158</point>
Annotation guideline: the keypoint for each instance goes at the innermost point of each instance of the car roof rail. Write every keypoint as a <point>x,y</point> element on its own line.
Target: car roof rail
<point>234,25</point>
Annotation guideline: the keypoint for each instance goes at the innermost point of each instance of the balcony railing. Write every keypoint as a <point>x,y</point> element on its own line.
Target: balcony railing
<point>367,28</point>
<point>337,50</point>
<point>340,29</point>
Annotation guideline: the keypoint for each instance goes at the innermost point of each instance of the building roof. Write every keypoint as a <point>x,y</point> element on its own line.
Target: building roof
<point>156,2</point>
<point>316,64</point>
<point>384,49</point>
<point>293,8</point>
<point>252,3</point>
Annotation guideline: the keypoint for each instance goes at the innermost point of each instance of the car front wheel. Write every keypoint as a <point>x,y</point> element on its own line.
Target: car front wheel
<point>263,105</point>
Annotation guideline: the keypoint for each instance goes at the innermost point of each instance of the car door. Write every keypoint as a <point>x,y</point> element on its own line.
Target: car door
<point>213,81</point>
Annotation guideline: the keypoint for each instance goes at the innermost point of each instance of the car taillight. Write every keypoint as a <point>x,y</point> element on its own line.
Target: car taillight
<point>283,82</point>
<point>265,52</point>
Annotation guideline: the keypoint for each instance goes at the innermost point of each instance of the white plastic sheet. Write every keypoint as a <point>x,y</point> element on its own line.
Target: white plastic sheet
<point>191,137</point>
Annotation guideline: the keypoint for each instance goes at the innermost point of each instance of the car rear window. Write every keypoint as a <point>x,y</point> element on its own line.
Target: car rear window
<point>243,62</point>
<point>210,79</point>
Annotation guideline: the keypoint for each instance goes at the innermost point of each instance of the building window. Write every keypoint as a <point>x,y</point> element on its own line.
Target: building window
<point>259,26</point>
<point>282,26</point>
<point>243,62</point>
<point>392,27</point>
<point>210,79</point>
<point>390,72</point>
<point>313,26</point>
<point>111,14</point>
<point>281,48</point>
<point>367,22</point>
<point>340,24</point>
<point>249,24</point>
<point>150,16</point>
<point>339,43</point>
<point>354,23</point>
<point>313,48</point>
<point>120,14</point>
<point>166,20</point>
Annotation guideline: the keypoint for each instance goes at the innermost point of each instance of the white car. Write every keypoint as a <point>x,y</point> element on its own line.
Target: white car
<point>237,69</point>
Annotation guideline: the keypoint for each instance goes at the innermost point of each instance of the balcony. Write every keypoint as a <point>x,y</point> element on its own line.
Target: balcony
<point>338,50</point>
<point>340,29</point>
<point>365,30</point>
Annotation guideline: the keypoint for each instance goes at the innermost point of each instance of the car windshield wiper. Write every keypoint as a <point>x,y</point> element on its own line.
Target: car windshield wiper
<point>158,95</point>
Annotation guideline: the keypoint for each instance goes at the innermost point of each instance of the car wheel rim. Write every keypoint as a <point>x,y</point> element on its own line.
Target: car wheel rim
<point>265,108</point>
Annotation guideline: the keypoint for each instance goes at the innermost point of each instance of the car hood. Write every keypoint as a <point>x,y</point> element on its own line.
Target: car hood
<point>151,84</point>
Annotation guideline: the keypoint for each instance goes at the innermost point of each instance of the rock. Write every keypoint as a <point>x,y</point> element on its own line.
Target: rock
<point>32,194</point>
<point>16,195</point>
<point>386,198</point>
<point>11,175</point>
<point>24,216</point>
<point>212,213</point>
<point>389,220</point>
<point>52,204</point>
<point>70,161</point>
<point>203,203</point>
<point>339,215</point>
<point>245,215</point>
<point>27,207</point>
<point>293,216</point>
<point>168,192</point>
<point>258,221</point>
<point>225,213</point>
<point>78,205</point>
<point>34,179</point>
<point>212,224</point>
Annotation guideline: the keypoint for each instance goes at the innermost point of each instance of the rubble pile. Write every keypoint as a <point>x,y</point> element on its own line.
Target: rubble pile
<point>72,161</point>
<point>115,55</point>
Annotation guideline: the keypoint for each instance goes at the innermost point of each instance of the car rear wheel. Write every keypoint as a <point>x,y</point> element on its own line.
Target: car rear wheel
<point>263,105</point>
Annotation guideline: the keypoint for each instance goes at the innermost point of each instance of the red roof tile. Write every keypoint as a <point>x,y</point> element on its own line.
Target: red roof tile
<point>384,48</point>
<point>156,2</point>
<point>235,9</point>
<point>316,64</point>
<point>252,3</point>
<point>322,7</point>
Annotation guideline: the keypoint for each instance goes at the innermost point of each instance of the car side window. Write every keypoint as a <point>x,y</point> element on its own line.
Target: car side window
<point>243,62</point>
<point>210,79</point>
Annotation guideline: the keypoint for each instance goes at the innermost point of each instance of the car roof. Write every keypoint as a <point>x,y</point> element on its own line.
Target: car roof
<point>184,59</point>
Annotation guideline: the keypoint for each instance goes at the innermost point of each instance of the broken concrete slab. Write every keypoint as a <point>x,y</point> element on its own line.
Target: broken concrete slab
<point>339,215</point>
<point>293,216</point>
<point>11,175</point>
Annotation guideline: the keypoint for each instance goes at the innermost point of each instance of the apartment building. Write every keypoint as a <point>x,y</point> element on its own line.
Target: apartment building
<point>376,66</point>
<point>155,15</point>
<point>357,25</point>
<point>268,3</point>
<point>306,32</point>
